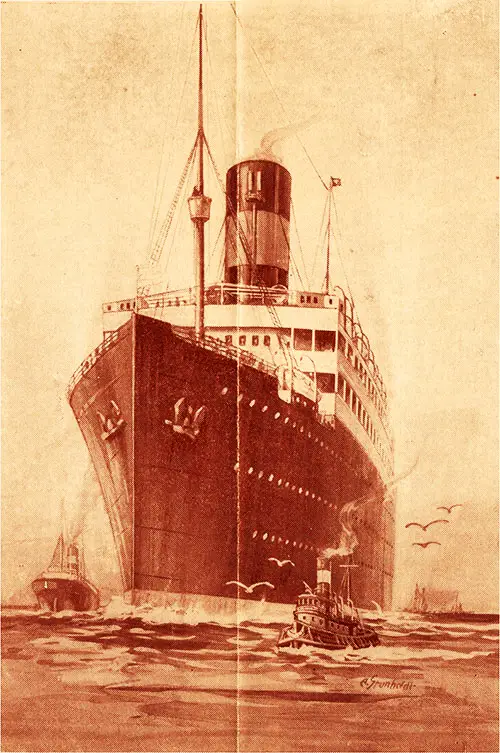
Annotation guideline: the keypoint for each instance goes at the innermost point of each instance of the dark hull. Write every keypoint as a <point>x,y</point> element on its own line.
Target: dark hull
<point>261,479</point>
<point>307,636</point>
<point>57,594</point>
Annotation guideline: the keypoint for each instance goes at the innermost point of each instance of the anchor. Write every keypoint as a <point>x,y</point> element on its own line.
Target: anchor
<point>186,420</point>
<point>112,423</point>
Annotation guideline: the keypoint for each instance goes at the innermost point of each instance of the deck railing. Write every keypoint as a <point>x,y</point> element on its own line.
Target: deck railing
<point>209,343</point>
<point>91,359</point>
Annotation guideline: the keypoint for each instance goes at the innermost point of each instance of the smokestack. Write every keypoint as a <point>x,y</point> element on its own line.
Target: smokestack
<point>257,245</point>
<point>323,577</point>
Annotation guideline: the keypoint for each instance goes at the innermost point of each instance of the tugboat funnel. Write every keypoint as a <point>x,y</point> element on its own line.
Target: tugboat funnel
<point>323,577</point>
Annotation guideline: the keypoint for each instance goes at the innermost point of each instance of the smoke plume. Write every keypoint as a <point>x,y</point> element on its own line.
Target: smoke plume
<point>270,140</point>
<point>348,539</point>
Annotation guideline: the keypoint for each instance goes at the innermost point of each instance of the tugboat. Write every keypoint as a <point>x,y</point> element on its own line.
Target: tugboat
<point>323,619</point>
<point>63,585</point>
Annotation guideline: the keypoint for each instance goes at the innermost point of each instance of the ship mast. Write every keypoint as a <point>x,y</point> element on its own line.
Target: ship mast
<point>334,182</point>
<point>199,204</point>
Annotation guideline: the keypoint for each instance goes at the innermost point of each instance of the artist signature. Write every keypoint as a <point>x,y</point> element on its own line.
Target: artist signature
<point>382,683</point>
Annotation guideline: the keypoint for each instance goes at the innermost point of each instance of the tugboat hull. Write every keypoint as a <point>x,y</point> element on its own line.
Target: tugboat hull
<point>57,593</point>
<point>303,635</point>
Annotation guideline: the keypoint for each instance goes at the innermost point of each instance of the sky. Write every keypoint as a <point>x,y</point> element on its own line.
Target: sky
<point>399,99</point>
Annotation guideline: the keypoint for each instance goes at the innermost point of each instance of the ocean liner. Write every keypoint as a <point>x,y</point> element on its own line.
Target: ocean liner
<point>230,424</point>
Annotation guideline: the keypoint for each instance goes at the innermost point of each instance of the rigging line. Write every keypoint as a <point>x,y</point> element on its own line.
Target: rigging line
<point>157,198</point>
<point>233,6</point>
<point>319,243</point>
<point>179,215</point>
<point>338,249</point>
<point>164,230</point>
<point>220,120</point>
<point>162,191</point>
<point>152,264</point>
<point>300,245</point>
<point>214,249</point>
<point>290,250</point>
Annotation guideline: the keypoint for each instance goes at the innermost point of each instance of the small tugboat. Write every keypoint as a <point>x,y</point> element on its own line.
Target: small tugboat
<point>324,619</point>
<point>63,585</point>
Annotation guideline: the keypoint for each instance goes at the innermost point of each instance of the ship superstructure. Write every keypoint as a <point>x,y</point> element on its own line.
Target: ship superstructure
<point>230,423</point>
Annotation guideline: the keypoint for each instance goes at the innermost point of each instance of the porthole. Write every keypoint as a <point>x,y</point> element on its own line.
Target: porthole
<point>273,539</point>
<point>250,470</point>
<point>293,488</point>
<point>287,484</point>
<point>322,443</point>
<point>236,467</point>
<point>251,403</point>
<point>261,473</point>
<point>264,536</point>
<point>294,543</point>
<point>287,542</point>
<point>271,476</point>
<point>300,545</point>
<point>254,535</point>
<point>313,495</point>
<point>307,492</point>
<point>300,490</point>
<point>224,391</point>
<point>279,539</point>
<point>287,419</point>
<point>309,435</point>
<point>294,425</point>
<point>319,498</point>
<point>264,409</point>
<point>277,415</point>
<point>241,397</point>
<point>301,429</point>
<point>279,482</point>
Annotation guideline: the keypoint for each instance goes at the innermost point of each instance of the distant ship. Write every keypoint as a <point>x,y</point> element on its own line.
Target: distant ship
<point>63,585</point>
<point>434,601</point>
<point>325,619</point>
<point>229,423</point>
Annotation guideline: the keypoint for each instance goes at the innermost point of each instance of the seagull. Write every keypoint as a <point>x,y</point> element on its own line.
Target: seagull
<point>424,528</point>
<point>448,509</point>
<point>425,544</point>
<point>249,589</point>
<point>308,588</point>
<point>280,563</point>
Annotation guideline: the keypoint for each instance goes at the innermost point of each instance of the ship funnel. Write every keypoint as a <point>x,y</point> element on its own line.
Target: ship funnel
<point>323,577</point>
<point>257,244</point>
<point>72,564</point>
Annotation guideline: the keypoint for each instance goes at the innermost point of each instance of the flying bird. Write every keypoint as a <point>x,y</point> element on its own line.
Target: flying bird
<point>249,589</point>
<point>425,544</point>
<point>448,509</point>
<point>424,528</point>
<point>308,588</point>
<point>280,563</point>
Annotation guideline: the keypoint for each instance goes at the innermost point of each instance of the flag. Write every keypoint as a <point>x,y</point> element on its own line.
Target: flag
<point>335,182</point>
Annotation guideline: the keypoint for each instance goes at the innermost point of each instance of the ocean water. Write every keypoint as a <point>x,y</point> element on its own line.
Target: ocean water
<point>142,679</point>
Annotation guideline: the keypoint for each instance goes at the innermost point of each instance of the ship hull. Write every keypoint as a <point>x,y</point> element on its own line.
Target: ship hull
<point>56,594</point>
<point>207,475</point>
<point>303,635</point>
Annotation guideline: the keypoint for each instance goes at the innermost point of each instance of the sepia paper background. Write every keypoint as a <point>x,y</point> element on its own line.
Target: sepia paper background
<point>397,98</point>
